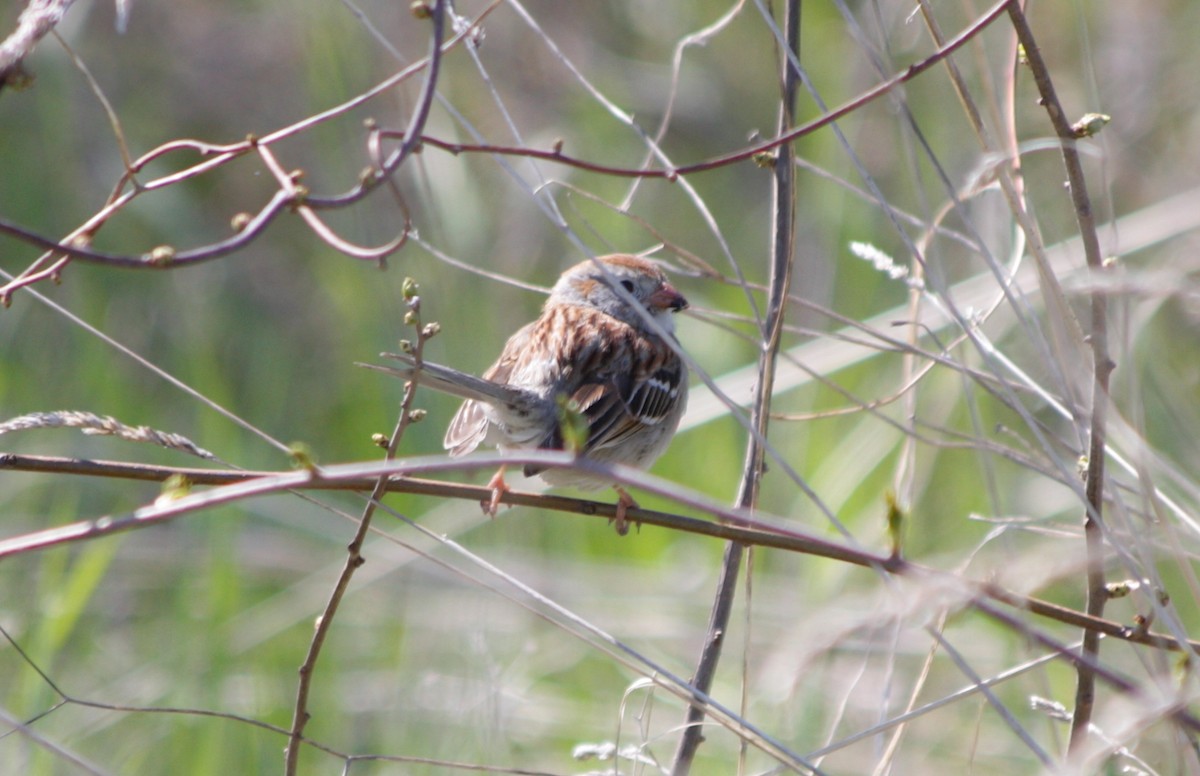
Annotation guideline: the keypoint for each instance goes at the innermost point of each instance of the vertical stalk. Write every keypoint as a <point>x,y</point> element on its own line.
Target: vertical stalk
<point>354,557</point>
<point>784,206</point>
<point>1097,592</point>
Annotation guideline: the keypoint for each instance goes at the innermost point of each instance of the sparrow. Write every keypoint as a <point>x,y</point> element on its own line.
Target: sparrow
<point>591,351</point>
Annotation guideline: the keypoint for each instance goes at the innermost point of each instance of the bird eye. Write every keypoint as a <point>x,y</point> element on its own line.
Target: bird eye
<point>627,285</point>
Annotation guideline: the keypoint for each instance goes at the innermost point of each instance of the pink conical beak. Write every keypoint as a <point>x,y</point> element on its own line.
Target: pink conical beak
<point>667,298</point>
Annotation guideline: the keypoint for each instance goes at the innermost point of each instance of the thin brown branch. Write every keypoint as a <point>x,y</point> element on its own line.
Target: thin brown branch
<point>784,138</point>
<point>169,257</point>
<point>290,183</point>
<point>1177,712</point>
<point>77,245</point>
<point>731,525</point>
<point>354,557</point>
<point>233,486</point>
<point>1097,593</point>
<point>783,249</point>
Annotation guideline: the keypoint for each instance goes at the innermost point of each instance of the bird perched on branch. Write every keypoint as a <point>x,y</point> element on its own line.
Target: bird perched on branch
<point>591,356</point>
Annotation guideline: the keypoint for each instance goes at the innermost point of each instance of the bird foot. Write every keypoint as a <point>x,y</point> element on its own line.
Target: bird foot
<point>498,487</point>
<point>624,502</point>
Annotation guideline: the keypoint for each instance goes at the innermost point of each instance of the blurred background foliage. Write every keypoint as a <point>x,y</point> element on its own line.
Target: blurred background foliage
<point>215,611</point>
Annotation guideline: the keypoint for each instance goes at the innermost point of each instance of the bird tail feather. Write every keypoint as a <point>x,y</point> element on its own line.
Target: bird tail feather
<point>447,380</point>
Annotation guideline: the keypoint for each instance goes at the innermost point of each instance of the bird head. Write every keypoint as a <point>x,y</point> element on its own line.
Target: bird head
<point>594,283</point>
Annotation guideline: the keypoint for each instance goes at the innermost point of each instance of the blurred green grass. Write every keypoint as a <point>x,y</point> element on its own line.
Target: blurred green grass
<point>216,610</point>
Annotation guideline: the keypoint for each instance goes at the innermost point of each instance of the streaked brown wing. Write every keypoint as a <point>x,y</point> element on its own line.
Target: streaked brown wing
<point>622,405</point>
<point>628,406</point>
<point>656,396</point>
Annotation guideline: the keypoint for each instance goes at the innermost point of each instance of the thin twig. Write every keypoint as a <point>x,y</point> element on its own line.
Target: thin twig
<point>76,245</point>
<point>1177,711</point>
<point>1066,338</point>
<point>354,557</point>
<point>280,202</point>
<point>234,486</point>
<point>753,469</point>
<point>731,525</point>
<point>1097,593</point>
